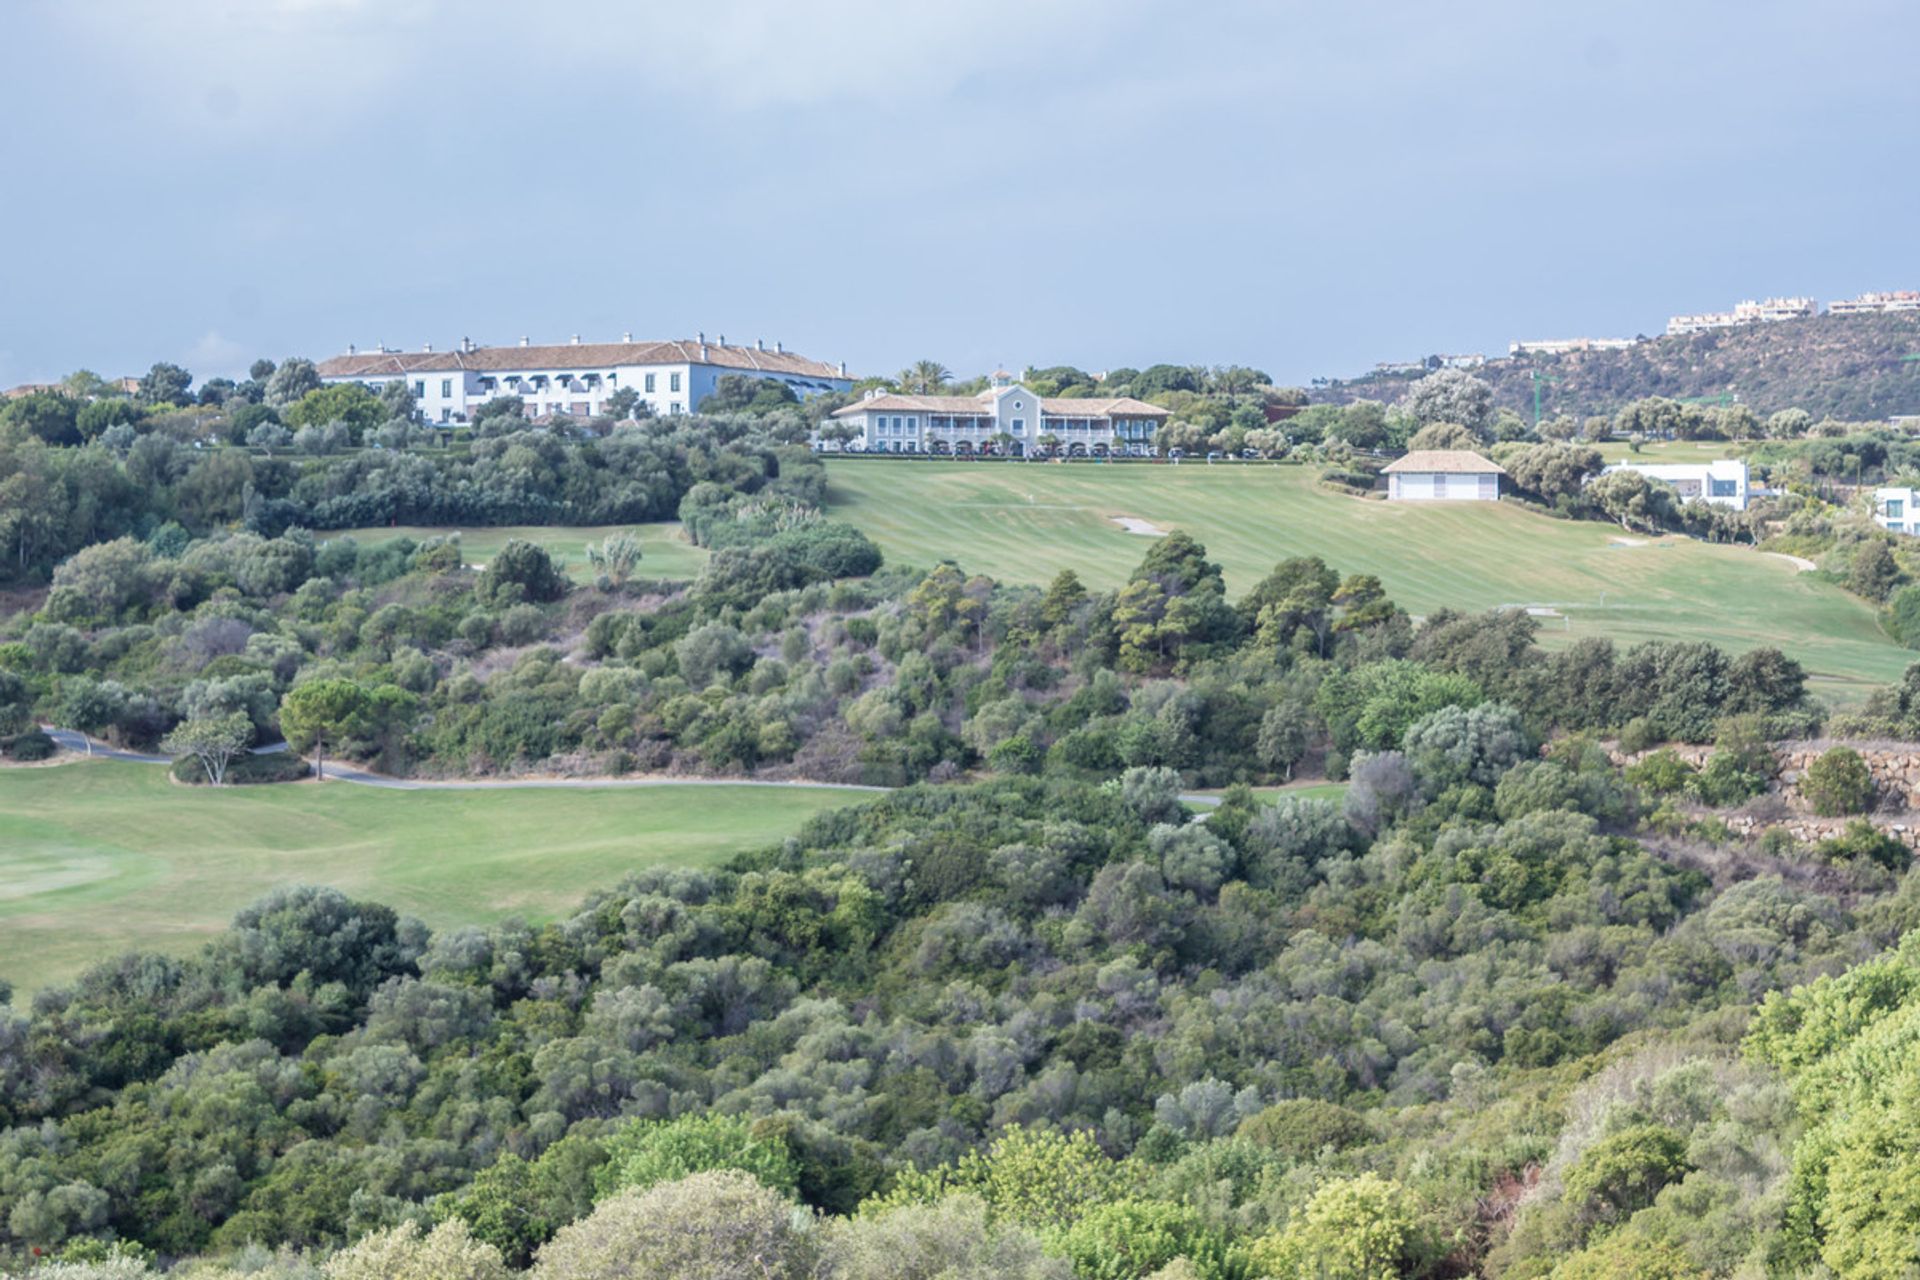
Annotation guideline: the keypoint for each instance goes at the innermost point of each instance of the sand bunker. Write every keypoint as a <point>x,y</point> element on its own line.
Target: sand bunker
<point>1133,524</point>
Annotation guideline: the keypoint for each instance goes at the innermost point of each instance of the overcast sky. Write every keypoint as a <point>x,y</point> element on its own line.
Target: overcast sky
<point>1302,187</point>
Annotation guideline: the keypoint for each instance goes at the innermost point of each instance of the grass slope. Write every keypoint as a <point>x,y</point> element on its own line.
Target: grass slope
<point>664,549</point>
<point>1025,522</point>
<point>97,858</point>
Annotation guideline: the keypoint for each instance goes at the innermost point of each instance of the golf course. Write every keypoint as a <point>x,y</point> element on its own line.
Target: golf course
<point>1024,522</point>
<point>664,549</point>
<point>98,858</point>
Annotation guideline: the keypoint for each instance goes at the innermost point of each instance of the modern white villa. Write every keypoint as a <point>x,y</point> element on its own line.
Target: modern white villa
<point>576,378</point>
<point>1894,510</point>
<point>1723,482</point>
<point>1006,417</point>
<point>1443,475</point>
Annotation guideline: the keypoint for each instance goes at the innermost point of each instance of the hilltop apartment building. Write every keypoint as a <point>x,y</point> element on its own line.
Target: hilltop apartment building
<point>1567,346</point>
<point>1766,311</point>
<point>576,379</point>
<point>1006,416</point>
<point>1891,300</point>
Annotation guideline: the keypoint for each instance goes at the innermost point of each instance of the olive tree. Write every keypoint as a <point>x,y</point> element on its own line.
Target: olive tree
<point>215,743</point>
<point>710,1226</point>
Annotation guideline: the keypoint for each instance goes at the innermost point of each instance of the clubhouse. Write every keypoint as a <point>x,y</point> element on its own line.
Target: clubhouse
<point>1005,418</point>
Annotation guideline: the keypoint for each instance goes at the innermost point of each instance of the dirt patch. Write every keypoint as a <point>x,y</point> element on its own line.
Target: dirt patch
<point>1801,563</point>
<point>1628,542</point>
<point>1134,524</point>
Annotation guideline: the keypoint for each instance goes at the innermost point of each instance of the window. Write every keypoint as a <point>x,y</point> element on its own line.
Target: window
<point>420,389</point>
<point>1896,508</point>
<point>1019,426</point>
<point>913,424</point>
<point>1894,526</point>
<point>1723,488</point>
<point>446,388</point>
<point>673,382</point>
<point>674,407</point>
<point>649,384</point>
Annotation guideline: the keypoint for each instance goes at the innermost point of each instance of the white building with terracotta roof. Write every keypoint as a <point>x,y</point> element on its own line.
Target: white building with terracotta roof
<point>1443,475</point>
<point>576,379</point>
<point>1005,417</point>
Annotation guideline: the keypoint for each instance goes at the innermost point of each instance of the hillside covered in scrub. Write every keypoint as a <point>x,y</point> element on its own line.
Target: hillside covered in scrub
<point>1850,367</point>
<point>1483,1019</point>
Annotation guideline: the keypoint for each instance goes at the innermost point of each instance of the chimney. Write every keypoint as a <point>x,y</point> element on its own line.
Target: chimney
<point>428,348</point>
<point>350,348</point>
<point>778,349</point>
<point>627,337</point>
<point>523,340</point>
<point>576,339</point>
<point>703,350</point>
<point>701,337</point>
<point>723,339</point>
<point>466,344</point>
<point>759,345</point>
<point>843,368</point>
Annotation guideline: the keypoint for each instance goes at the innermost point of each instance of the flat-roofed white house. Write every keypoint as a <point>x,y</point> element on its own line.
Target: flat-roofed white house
<point>1723,482</point>
<point>1894,509</point>
<point>1005,415</point>
<point>575,379</point>
<point>1443,475</point>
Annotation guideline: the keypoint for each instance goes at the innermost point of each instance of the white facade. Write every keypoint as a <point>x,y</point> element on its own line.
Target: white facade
<point>577,379</point>
<point>1894,509</point>
<point>1723,482</point>
<point>1443,486</point>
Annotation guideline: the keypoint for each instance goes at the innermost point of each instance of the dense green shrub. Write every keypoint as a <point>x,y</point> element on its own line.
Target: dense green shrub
<point>31,747</point>
<point>272,766</point>
<point>1838,783</point>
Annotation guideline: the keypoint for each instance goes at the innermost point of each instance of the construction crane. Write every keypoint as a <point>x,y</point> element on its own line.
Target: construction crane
<point>1538,378</point>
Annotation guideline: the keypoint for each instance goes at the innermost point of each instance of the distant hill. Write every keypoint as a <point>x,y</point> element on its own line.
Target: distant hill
<point>1852,367</point>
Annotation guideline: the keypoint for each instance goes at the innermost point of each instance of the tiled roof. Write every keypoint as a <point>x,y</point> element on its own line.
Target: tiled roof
<point>1447,461</point>
<point>1110,407</point>
<point>586,355</point>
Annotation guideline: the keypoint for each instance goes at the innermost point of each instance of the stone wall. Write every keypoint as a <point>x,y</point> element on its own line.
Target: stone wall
<point>1808,829</point>
<point>1895,766</point>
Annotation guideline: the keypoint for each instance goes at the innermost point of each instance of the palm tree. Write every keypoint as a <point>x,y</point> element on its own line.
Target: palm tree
<point>925,378</point>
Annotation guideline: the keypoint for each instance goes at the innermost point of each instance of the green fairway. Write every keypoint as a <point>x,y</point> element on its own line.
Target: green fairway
<point>1026,521</point>
<point>664,549</point>
<point>98,858</point>
<point>1670,451</point>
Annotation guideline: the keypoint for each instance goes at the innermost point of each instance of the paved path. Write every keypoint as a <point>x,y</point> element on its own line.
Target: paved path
<point>340,771</point>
